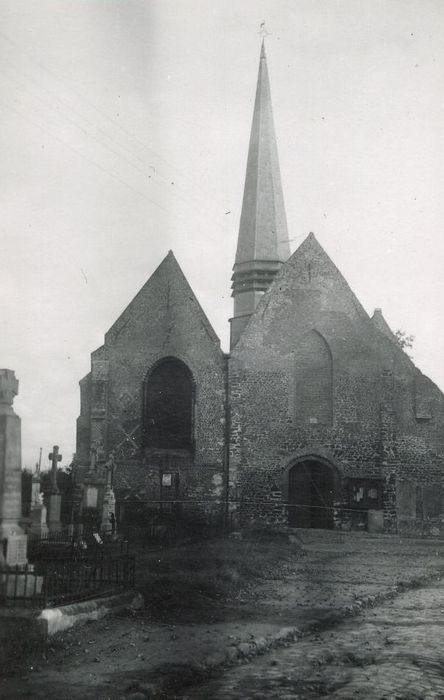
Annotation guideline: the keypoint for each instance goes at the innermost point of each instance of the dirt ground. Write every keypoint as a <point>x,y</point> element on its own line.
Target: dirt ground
<point>205,600</point>
<point>393,651</point>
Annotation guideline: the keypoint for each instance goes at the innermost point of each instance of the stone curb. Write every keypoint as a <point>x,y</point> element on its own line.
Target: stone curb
<point>246,651</point>
<point>53,620</point>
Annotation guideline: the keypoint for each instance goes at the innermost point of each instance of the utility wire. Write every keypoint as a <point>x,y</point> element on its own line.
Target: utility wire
<point>146,173</point>
<point>105,170</point>
<point>91,104</point>
<point>41,86</point>
<point>89,160</point>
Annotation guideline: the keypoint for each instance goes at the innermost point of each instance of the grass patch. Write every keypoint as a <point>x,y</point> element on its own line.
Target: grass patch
<point>210,578</point>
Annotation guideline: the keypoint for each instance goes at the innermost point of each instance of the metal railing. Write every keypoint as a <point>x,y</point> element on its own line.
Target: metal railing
<point>61,581</point>
<point>21,585</point>
<point>61,545</point>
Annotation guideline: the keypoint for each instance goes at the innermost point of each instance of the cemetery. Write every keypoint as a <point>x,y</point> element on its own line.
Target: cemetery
<point>44,564</point>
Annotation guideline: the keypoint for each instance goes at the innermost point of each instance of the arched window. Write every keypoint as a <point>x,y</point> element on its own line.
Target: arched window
<point>168,416</point>
<point>313,380</point>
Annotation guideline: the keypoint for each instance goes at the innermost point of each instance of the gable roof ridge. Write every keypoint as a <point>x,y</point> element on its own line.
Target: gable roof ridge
<point>313,241</point>
<point>171,261</point>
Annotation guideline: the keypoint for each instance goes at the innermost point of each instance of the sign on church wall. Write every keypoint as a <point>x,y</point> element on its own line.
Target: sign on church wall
<point>91,496</point>
<point>166,479</point>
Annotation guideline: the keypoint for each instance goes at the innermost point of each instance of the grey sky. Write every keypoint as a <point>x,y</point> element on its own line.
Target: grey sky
<point>124,132</point>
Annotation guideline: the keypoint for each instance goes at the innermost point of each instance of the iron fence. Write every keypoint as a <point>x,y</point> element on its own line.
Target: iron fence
<point>61,581</point>
<point>61,545</point>
<point>21,585</point>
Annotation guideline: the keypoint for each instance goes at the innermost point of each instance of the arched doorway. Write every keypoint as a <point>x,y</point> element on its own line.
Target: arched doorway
<point>311,494</point>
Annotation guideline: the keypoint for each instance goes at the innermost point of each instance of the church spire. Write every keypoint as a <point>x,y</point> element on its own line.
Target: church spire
<point>263,244</point>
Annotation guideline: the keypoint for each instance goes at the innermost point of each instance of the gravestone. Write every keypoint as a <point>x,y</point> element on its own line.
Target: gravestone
<point>35,489</point>
<point>91,496</point>
<point>16,550</point>
<point>13,541</point>
<point>38,517</point>
<point>54,497</point>
<point>38,513</point>
<point>22,581</point>
<point>10,458</point>
<point>108,522</point>
<point>17,579</point>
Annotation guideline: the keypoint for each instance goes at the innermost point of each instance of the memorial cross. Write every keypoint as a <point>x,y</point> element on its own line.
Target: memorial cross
<point>262,31</point>
<point>55,457</point>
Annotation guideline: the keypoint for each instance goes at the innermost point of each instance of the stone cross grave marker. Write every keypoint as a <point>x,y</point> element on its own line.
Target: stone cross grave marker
<point>55,457</point>
<point>54,496</point>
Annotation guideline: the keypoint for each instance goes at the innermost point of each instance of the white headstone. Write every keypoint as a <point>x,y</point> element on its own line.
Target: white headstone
<point>92,494</point>
<point>38,519</point>
<point>16,550</point>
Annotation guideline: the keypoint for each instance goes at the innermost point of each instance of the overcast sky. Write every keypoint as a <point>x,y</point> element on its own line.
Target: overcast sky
<point>124,131</point>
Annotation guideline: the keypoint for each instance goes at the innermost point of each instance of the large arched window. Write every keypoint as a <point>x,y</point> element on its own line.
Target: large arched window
<point>168,415</point>
<point>313,380</point>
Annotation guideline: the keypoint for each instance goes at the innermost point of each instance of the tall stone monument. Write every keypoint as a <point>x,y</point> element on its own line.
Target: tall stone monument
<point>11,533</point>
<point>54,497</point>
<point>10,457</point>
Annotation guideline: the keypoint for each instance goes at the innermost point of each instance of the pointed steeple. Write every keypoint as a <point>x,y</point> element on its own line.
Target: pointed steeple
<point>263,244</point>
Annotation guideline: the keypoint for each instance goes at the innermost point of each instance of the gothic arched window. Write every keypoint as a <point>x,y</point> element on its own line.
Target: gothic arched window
<point>168,415</point>
<point>313,380</point>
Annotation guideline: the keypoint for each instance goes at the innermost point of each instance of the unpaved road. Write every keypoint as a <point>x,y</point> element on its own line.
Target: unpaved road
<point>395,651</point>
<point>166,644</point>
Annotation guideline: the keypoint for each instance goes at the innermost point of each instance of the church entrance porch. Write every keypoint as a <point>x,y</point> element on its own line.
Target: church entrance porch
<point>311,494</point>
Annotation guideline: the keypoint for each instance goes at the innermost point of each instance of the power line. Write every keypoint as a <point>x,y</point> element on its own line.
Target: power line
<point>105,170</point>
<point>172,186</point>
<point>146,174</point>
<point>91,104</point>
<point>89,160</point>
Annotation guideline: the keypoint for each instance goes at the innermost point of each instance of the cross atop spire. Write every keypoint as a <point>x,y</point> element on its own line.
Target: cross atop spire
<point>263,244</point>
<point>263,32</point>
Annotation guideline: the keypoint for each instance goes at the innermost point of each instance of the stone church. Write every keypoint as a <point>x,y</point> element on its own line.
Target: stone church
<point>315,418</point>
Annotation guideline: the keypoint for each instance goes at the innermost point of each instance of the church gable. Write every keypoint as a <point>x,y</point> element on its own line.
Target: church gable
<point>309,293</point>
<point>167,309</point>
<point>161,356</point>
<point>164,346</point>
<point>310,327</point>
